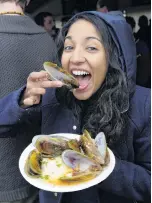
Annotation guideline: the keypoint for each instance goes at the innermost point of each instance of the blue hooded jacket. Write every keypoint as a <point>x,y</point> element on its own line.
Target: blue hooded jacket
<point>130,180</point>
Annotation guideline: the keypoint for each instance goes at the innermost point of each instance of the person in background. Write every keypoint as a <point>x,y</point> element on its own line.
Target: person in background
<point>99,51</point>
<point>131,21</point>
<point>102,7</point>
<point>143,75</point>
<point>106,7</point>
<point>24,47</point>
<point>143,32</point>
<point>45,20</point>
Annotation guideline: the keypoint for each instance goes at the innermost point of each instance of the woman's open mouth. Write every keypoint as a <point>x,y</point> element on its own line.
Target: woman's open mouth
<point>83,78</point>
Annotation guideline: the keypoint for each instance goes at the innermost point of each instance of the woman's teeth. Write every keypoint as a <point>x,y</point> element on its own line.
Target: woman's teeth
<point>80,73</point>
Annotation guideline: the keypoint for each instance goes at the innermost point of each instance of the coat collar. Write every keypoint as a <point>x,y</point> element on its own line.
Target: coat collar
<point>19,25</point>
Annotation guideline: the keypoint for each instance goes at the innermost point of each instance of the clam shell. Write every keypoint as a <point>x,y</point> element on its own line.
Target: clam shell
<point>33,164</point>
<point>101,144</point>
<point>76,160</point>
<point>58,73</point>
<point>90,148</point>
<point>50,146</point>
<point>83,168</point>
<point>74,145</point>
<point>51,135</point>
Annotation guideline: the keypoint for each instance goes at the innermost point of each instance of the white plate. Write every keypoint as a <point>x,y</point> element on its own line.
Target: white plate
<point>41,184</point>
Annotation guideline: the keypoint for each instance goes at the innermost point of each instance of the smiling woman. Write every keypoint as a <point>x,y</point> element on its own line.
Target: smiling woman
<point>99,51</point>
<point>92,51</point>
<point>77,56</point>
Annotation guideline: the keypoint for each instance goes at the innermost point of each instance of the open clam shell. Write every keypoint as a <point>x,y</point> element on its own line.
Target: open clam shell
<point>83,167</point>
<point>50,146</point>
<point>100,142</point>
<point>93,148</point>
<point>42,135</point>
<point>33,164</point>
<point>78,161</point>
<point>58,73</point>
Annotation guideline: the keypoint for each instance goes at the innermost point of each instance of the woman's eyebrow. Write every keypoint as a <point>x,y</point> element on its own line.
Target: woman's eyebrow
<point>89,38</point>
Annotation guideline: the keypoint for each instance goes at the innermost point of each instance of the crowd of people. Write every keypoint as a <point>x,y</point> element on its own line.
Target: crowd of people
<point>143,44</point>
<point>112,98</point>
<point>143,49</point>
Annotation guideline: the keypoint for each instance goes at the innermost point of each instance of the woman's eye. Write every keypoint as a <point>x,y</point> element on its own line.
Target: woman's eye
<point>91,48</point>
<point>68,48</point>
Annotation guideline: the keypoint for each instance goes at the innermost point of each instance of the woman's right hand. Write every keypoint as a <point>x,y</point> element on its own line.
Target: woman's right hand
<point>37,83</point>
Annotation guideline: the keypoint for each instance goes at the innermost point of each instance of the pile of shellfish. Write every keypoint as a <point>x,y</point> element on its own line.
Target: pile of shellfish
<point>84,158</point>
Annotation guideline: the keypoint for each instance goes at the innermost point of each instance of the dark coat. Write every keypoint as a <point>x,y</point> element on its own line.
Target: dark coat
<point>24,47</point>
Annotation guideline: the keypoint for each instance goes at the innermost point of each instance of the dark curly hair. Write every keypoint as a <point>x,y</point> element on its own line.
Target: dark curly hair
<point>39,18</point>
<point>105,111</point>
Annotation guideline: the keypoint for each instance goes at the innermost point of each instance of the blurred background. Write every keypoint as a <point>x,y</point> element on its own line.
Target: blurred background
<point>64,9</point>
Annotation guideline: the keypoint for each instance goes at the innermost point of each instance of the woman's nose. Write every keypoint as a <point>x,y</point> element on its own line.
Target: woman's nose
<point>77,56</point>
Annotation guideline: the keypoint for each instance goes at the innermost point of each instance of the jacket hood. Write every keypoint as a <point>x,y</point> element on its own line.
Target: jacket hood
<point>123,37</point>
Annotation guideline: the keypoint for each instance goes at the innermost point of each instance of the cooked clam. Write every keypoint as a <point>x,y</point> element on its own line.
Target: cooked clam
<point>79,161</point>
<point>82,166</point>
<point>72,159</point>
<point>75,145</point>
<point>58,73</point>
<point>91,149</point>
<point>33,164</point>
<point>51,146</point>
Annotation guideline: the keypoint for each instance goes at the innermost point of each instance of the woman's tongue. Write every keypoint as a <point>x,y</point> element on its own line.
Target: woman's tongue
<point>83,81</point>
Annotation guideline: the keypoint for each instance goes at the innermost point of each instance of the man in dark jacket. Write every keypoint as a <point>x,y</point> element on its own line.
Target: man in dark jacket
<point>24,46</point>
<point>143,32</point>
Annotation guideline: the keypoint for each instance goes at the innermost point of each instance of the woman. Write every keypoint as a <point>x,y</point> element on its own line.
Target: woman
<point>99,46</point>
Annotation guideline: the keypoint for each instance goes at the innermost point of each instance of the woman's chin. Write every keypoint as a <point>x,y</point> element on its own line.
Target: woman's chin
<point>81,95</point>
